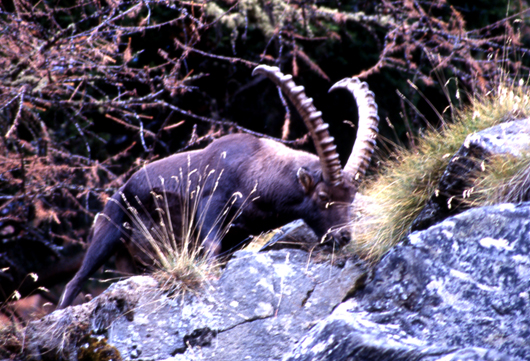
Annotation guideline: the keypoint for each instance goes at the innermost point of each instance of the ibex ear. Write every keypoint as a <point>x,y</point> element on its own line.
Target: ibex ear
<point>305,179</point>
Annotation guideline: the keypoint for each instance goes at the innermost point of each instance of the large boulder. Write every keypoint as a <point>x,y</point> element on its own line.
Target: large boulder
<point>262,304</point>
<point>456,291</point>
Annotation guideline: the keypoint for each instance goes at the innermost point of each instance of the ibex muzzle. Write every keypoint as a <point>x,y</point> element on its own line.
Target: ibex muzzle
<point>285,185</point>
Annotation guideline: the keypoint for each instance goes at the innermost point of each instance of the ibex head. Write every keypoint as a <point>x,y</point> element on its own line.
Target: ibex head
<point>334,190</point>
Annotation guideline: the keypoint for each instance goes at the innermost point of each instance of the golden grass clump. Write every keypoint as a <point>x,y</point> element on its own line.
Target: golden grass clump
<point>177,257</point>
<point>503,179</point>
<point>404,184</point>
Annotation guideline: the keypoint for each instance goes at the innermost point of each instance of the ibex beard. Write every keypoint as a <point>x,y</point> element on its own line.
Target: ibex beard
<point>276,185</point>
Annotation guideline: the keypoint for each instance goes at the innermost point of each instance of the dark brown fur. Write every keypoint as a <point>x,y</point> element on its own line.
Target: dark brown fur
<point>288,186</point>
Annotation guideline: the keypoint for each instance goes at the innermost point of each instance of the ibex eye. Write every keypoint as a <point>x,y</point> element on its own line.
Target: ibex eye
<point>323,196</point>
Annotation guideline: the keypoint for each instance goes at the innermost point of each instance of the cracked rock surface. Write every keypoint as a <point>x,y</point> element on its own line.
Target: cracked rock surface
<point>259,308</point>
<point>456,291</point>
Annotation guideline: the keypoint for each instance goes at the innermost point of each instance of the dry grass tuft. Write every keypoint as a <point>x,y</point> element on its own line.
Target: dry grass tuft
<point>176,255</point>
<point>504,179</point>
<point>406,182</point>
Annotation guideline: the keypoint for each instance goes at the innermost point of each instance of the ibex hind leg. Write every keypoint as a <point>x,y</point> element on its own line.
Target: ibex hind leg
<point>105,242</point>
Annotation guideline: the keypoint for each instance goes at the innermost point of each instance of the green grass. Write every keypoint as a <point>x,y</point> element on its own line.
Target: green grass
<point>400,190</point>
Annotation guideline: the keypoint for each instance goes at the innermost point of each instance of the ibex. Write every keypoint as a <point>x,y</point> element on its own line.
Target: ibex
<point>285,184</point>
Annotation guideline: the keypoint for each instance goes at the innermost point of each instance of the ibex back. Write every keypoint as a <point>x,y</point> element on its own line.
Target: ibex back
<point>283,184</point>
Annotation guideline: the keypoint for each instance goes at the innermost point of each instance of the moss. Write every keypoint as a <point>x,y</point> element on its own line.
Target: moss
<point>268,16</point>
<point>96,348</point>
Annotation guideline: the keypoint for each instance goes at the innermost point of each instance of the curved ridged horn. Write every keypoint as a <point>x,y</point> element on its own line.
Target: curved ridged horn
<point>364,146</point>
<point>324,143</point>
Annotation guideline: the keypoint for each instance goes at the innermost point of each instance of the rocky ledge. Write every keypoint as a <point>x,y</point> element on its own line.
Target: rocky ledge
<point>259,308</point>
<point>456,291</point>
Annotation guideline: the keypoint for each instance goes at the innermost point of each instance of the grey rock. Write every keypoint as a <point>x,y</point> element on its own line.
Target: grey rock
<point>296,234</point>
<point>258,309</point>
<point>457,291</point>
<point>61,333</point>
<point>506,138</point>
<point>262,304</point>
